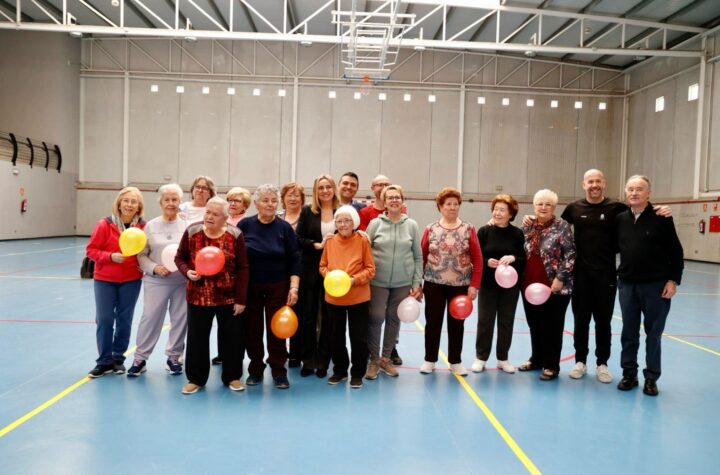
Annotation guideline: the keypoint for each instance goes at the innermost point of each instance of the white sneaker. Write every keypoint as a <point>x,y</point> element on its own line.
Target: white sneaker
<point>578,370</point>
<point>458,369</point>
<point>505,366</point>
<point>603,374</point>
<point>427,367</point>
<point>478,366</point>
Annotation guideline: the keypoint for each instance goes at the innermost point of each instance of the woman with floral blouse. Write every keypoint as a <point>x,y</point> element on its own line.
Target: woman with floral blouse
<point>550,250</point>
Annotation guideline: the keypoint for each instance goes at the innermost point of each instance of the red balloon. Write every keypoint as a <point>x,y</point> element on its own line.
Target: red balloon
<point>461,307</point>
<point>284,323</point>
<point>209,261</point>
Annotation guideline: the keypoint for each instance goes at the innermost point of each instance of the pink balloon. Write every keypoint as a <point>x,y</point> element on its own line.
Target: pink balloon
<point>409,310</point>
<point>537,293</point>
<point>506,276</point>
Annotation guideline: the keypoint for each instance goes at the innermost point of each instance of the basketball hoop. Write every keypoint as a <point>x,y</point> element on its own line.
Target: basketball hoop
<point>365,86</point>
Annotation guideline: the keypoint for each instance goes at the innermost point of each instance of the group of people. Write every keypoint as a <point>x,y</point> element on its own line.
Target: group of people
<point>280,257</point>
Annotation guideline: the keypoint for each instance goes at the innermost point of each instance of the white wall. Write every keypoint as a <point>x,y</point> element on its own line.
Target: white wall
<point>244,140</point>
<point>39,98</point>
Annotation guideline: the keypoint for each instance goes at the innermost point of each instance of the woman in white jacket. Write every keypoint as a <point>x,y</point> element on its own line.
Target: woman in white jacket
<point>162,287</point>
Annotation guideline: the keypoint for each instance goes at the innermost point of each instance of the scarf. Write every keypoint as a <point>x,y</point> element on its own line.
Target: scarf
<point>536,232</point>
<point>118,222</point>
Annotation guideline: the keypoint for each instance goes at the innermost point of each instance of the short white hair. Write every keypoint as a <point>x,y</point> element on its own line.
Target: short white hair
<point>546,194</point>
<point>216,200</point>
<point>267,188</point>
<point>352,212</point>
<point>169,188</point>
<point>639,177</point>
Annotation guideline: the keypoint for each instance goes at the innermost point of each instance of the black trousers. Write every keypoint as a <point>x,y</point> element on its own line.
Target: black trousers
<point>263,301</point>
<point>638,300</point>
<point>311,343</point>
<point>494,302</point>
<point>356,317</point>
<point>437,298</point>
<point>593,298</point>
<point>230,331</point>
<point>546,323</point>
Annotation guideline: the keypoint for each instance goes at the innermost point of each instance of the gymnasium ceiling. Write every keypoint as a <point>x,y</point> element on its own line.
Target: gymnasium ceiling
<point>604,33</point>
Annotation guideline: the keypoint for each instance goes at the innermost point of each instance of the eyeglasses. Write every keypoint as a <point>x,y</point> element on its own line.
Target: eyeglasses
<point>343,221</point>
<point>201,188</point>
<point>383,185</point>
<point>393,198</point>
<point>234,202</point>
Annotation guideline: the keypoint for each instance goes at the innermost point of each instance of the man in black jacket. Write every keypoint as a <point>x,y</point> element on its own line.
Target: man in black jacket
<point>651,265</point>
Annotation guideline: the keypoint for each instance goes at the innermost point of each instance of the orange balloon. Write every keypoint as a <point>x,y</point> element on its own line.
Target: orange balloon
<point>284,323</point>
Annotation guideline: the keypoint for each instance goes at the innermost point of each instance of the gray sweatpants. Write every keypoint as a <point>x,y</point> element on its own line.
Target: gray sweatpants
<point>159,298</point>
<point>383,308</point>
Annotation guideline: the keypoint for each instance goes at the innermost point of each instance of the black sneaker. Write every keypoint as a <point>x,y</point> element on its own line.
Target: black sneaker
<point>100,370</point>
<point>395,358</point>
<point>305,371</point>
<point>356,383</point>
<point>254,380</point>
<point>173,366</point>
<point>281,382</point>
<point>217,360</point>
<point>118,367</point>
<point>337,379</point>
<point>137,368</point>
<point>321,373</point>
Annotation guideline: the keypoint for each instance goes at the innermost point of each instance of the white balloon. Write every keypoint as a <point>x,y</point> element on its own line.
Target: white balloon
<point>408,310</point>
<point>168,257</point>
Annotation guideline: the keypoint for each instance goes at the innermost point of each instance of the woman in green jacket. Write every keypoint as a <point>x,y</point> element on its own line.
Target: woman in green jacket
<point>398,273</point>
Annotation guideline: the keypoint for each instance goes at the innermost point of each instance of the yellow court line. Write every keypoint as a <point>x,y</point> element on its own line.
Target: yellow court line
<point>21,420</point>
<point>689,343</point>
<point>519,453</point>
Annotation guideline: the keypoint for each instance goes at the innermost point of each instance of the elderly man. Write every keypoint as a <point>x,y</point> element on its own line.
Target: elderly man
<point>369,213</point>
<point>593,220</point>
<point>348,188</point>
<point>651,266</point>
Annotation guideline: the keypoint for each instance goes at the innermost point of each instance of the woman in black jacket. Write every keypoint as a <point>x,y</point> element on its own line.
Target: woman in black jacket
<point>315,225</point>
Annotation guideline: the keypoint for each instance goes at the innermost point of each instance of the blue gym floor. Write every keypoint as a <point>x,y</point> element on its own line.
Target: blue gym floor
<point>55,421</point>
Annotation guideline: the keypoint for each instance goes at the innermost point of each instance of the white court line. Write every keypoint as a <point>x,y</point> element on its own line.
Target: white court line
<point>39,252</point>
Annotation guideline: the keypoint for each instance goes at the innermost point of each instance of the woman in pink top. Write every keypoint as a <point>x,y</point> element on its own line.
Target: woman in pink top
<point>452,266</point>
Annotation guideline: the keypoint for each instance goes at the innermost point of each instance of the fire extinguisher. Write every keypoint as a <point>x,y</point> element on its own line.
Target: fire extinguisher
<point>701,226</point>
<point>24,205</point>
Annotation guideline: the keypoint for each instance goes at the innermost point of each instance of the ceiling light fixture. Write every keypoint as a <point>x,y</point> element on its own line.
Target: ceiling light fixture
<point>76,34</point>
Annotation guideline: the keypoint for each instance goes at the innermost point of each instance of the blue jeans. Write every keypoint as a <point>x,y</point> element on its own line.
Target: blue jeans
<point>114,308</point>
<point>638,299</point>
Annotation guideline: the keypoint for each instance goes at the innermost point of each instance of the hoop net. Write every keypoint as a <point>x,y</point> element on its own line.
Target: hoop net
<point>365,86</point>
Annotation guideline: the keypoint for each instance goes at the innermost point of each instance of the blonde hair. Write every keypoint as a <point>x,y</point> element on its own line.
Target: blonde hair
<point>238,191</point>
<point>125,191</point>
<point>397,188</point>
<point>315,204</point>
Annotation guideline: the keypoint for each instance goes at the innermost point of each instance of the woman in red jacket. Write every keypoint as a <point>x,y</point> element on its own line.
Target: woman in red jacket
<point>117,282</point>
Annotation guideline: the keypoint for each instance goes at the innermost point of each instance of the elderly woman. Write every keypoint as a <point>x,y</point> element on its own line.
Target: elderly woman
<point>315,226</point>
<point>164,289</point>
<point>292,197</point>
<point>395,243</point>
<point>453,266</point>
<point>501,244</point>
<point>222,295</point>
<point>117,281</point>
<point>550,250</point>
<point>238,202</point>
<point>274,279</point>
<point>350,252</point>
<point>202,189</point>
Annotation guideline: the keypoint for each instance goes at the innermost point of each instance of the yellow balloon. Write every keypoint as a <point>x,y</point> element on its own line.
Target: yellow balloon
<point>337,283</point>
<point>132,241</point>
